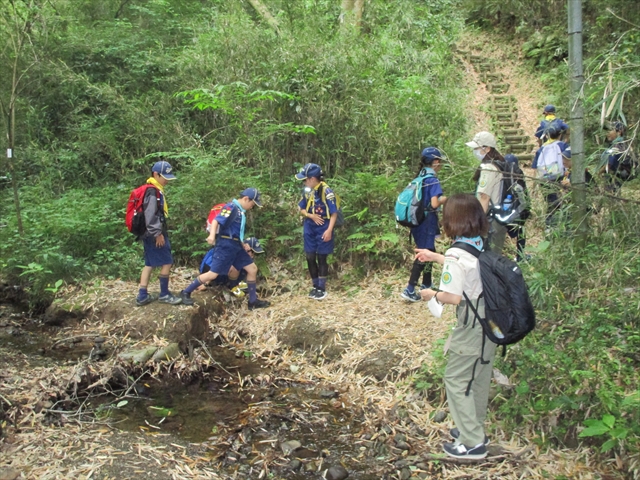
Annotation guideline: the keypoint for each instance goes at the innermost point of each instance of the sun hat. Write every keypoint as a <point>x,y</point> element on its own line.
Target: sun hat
<point>482,139</point>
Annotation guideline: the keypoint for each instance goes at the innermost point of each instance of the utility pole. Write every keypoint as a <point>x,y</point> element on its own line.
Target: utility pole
<point>576,121</point>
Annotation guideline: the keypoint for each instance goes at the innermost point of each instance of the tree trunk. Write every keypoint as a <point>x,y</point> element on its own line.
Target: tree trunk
<point>263,11</point>
<point>576,122</point>
<point>352,11</point>
<point>10,162</point>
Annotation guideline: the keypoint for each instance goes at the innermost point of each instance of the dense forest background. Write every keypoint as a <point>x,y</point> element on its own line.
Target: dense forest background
<point>94,92</point>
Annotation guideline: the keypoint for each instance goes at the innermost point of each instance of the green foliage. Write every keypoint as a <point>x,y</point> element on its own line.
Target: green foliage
<point>545,47</point>
<point>605,428</point>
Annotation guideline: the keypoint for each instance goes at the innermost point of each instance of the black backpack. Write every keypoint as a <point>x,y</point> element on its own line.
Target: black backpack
<point>512,184</point>
<point>509,314</point>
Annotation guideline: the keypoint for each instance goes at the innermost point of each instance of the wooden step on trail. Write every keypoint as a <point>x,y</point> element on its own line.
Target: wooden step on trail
<point>503,125</point>
<point>498,87</point>
<point>512,131</point>
<point>503,99</point>
<point>485,67</point>
<point>516,139</point>
<point>491,77</point>
<point>525,157</point>
<point>474,58</point>
<point>506,117</point>
<point>503,108</point>
<point>521,148</point>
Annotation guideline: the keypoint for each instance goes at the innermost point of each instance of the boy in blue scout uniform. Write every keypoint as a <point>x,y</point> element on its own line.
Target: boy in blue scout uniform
<point>229,249</point>
<point>155,241</point>
<point>234,280</point>
<point>424,235</point>
<point>549,113</point>
<point>318,206</point>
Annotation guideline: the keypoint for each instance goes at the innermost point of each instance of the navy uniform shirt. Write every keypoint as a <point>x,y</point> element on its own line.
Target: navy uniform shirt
<point>230,229</point>
<point>312,202</point>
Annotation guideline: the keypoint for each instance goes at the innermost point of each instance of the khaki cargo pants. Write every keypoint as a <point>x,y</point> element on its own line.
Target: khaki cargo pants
<point>465,349</point>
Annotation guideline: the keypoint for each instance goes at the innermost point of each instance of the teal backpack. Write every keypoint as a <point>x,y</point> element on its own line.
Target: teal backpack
<point>410,210</point>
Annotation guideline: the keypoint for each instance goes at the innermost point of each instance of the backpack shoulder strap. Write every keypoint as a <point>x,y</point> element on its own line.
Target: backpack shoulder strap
<point>467,248</point>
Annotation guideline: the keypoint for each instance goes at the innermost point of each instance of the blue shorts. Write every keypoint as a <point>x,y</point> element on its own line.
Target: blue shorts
<point>207,261</point>
<point>424,235</point>
<point>154,256</point>
<point>229,253</point>
<point>313,242</point>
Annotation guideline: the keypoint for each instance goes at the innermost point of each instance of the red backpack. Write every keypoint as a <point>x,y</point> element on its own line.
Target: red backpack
<point>215,210</point>
<point>134,218</point>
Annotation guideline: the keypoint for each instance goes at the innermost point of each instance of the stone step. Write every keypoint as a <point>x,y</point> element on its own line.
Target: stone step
<point>498,87</point>
<point>516,139</point>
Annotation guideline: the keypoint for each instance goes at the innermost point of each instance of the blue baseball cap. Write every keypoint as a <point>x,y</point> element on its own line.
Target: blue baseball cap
<point>254,244</point>
<point>430,154</point>
<point>549,109</point>
<point>253,194</point>
<point>163,169</point>
<point>308,171</point>
<point>511,158</point>
<point>566,151</point>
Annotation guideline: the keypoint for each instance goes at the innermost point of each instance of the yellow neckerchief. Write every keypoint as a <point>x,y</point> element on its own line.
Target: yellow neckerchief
<point>549,141</point>
<point>550,117</point>
<point>159,186</point>
<point>311,201</point>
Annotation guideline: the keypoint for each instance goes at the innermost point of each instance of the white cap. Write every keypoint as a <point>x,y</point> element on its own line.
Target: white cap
<point>483,139</point>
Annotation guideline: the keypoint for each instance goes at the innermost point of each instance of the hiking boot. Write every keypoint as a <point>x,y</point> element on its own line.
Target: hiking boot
<point>410,296</point>
<point>320,294</point>
<point>455,434</point>
<point>312,293</point>
<point>458,450</point>
<point>146,300</point>
<point>170,298</point>
<point>258,304</point>
<point>237,292</point>
<point>186,298</point>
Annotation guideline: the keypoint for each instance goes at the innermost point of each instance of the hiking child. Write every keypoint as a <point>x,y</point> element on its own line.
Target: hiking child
<point>424,235</point>
<point>619,162</point>
<point>229,250</point>
<point>464,220</point>
<point>550,172</point>
<point>550,118</point>
<point>320,211</point>
<point>235,279</point>
<point>155,240</point>
<point>516,230</point>
<point>489,186</point>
